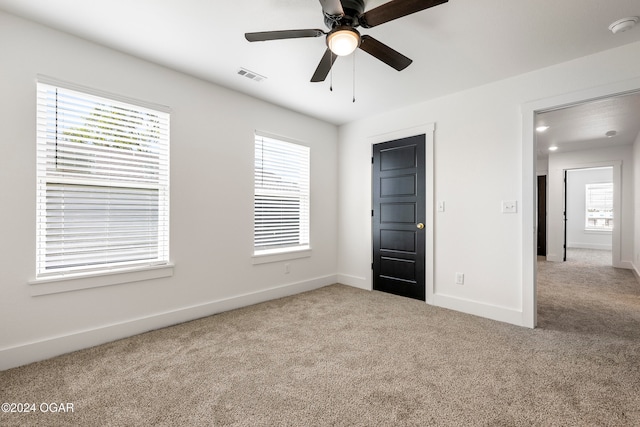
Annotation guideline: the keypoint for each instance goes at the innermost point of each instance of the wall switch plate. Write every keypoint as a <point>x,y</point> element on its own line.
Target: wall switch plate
<point>441,206</point>
<point>459,278</point>
<point>509,206</point>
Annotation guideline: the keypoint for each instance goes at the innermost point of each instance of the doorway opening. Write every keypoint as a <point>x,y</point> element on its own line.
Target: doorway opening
<point>566,151</point>
<point>589,215</point>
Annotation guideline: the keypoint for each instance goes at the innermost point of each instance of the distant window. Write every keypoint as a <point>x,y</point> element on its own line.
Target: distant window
<point>102,184</point>
<point>599,206</point>
<point>281,196</point>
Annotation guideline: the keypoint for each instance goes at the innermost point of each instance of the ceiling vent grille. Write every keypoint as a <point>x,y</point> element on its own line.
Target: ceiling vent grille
<point>251,75</point>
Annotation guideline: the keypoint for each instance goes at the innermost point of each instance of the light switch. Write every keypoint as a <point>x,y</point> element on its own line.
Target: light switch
<point>441,206</point>
<point>509,206</point>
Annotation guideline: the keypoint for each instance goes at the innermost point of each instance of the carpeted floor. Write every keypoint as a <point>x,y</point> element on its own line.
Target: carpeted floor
<point>591,257</point>
<point>348,357</point>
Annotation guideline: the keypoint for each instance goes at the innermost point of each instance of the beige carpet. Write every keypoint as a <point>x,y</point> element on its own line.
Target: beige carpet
<point>347,357</point>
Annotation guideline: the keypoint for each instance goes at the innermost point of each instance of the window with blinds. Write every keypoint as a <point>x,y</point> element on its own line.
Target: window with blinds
<point>599,206</point>
<point>102,183</point>
<point>281,196</point>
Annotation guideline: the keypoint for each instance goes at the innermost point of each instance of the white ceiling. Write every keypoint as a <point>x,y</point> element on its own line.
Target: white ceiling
<point>584,126</point>
<point>454,46</point>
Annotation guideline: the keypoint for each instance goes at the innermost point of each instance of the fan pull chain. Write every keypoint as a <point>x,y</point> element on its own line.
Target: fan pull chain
<point>331,81</point>
<point>354,76</point>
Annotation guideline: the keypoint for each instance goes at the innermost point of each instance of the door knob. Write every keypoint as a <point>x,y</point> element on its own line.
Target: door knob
<point>420,225</point>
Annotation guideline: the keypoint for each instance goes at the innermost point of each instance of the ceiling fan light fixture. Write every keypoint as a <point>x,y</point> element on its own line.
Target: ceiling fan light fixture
<point>343,40</point>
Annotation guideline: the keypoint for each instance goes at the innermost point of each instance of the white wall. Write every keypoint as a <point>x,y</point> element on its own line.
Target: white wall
<point>211,199</point>
<point>478,163</point>
<point>542,166</point>
<point>577,236</point>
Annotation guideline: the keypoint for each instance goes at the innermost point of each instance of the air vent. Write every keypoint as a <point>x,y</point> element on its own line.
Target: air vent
<point>251,75</point>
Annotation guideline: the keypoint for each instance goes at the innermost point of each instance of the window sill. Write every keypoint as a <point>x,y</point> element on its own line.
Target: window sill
<point>267,257</point>
<point>69,283</point>
<point>596,231</point>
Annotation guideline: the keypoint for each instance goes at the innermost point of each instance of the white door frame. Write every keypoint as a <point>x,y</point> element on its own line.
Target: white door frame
<point>427,130</point>
<point>555,200</point>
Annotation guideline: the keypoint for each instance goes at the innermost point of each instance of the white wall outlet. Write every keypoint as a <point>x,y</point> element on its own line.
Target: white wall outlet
<point>459,278</point>
<point>509,206</point>
<point>441,206</point>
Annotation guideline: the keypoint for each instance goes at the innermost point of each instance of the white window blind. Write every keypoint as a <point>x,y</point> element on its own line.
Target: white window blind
<point>103,183</point>
<point>281,197</point>
<point>599,206</point>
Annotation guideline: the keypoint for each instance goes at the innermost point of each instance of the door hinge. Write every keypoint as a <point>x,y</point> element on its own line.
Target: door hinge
<point>371,160</point>
<point>372,266</point>
<point>371,212</point>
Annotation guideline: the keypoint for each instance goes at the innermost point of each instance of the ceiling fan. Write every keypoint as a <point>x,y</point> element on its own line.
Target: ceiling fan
<point>342,17</point>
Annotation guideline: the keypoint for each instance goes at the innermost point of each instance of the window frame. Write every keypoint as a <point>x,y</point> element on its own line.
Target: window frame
<point>285,252</point>
<point>108,273</point>
<point>589,187</point>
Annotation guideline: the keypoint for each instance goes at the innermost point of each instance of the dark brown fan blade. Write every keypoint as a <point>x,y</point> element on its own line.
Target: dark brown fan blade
<point>394,10</point>
<point>324,66</point>
<point>284,34</point>
<point>384,53</point>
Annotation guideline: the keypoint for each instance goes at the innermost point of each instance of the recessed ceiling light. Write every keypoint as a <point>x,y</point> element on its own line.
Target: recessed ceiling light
<point>553,148</point>
<point>611,134</point>
<point>542,128</point>
<point>623,24</point>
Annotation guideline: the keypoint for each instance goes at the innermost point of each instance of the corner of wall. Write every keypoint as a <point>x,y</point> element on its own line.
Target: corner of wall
<point>354,281</point>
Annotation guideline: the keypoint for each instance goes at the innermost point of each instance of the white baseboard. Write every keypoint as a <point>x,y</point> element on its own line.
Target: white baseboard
<point>24,354</point>
<point>624,264</point>
<point>555,258</point>
<point>354,281</point>
<point>599,246</point>
<point>502,314</point>
<point>635,271</point>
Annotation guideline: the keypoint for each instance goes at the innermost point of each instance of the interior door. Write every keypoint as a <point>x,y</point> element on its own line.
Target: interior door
<point>398,217</point>
<point>542,215</point>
